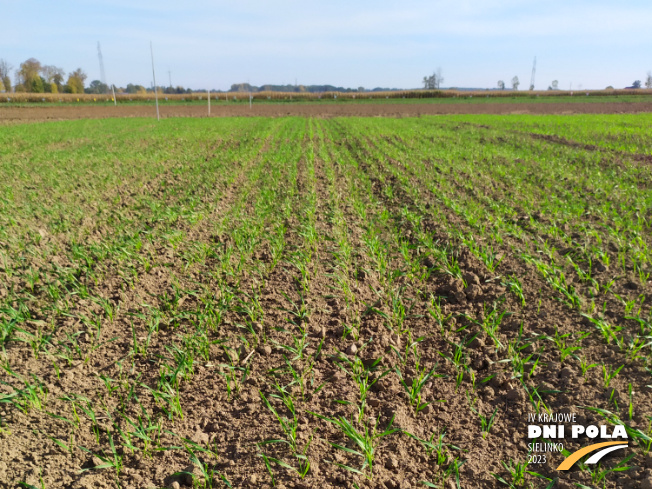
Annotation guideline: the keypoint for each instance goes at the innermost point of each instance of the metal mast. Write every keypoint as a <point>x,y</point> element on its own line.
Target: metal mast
<point>99,55</point>
<point>534,71</point>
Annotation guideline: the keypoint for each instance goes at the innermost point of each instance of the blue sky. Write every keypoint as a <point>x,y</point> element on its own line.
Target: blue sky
<point>590,44</point>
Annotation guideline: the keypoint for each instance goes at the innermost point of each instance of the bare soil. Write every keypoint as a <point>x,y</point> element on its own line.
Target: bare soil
<point>317,110</point>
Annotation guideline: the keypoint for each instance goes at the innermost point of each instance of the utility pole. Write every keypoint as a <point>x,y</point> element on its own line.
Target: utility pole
<point>170,76</point>
<point>151,48</point>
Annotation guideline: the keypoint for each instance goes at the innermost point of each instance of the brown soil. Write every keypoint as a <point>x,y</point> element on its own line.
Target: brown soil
<point>318,110</point>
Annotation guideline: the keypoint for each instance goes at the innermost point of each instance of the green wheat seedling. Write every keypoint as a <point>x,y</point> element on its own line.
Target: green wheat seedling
<point>168,398</point>
<point>366,439</point>
<point>67,447</point>
<point>608,331</point>
<point>459,359</point>
<point>181,368</point>
<point>410,350</point>
<point>561,342</point>
<point>109,309</point>
<point>299,377</point>
<point>300,314</point>
<point>113,460</point>
<point>514,285</point>
<point>289,427</point>
<point>414,387</point>
<point>302,265</point>
<point>364,376</point>
<point>436,448</point>
<point>608,374</point>
<point>209,474</point>
<point>31,486</point>
<point>146,431</point>
<point>36,341</point>
<point>517,472</point>
<point>230,372</point>
<point>453,469</point>
<point>436,312</point>
<point>599,473</point>
<point>630,395</point>
<point>489,257</point>
<point>585,366</point>
<point>32,396</point>
<point>8,328</point>
<point>85,405</point>
<point>299,344</point>
<point>452,267</point>
<point>491,324</point>
<point>522,366</point>
<point>486,422</point>
<point>252,306</point>
<point>583,276</point>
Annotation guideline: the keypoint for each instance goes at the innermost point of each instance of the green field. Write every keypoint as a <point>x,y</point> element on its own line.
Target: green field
<point>347,302</point>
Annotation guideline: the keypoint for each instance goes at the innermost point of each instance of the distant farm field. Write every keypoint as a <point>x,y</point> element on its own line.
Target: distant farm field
<point>333,302</point>
<point>16,113</point>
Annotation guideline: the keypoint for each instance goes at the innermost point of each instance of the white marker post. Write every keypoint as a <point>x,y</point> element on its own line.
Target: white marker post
<point>158,116</point>
<point>209,101</point>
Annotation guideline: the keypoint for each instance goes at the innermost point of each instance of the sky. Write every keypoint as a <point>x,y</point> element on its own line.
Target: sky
<point>212,44</point>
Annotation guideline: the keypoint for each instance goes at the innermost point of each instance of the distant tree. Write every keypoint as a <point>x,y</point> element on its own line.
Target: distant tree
<point>53,75</point>
<point>28,76</point>
<point>37,85</point>
<point>2,86</point>
<point>48,87</point>
<point>610,87</point>
<point>97,87</point>
<point>5,68</point>
<point>5,71</point>
<point>434,81</point>
<point>648,80</point>
<point>515,83</point>
<point>636,84</point>
<point>361,89</point>
<point>75,83</point>
<point>501,85</point>
<point>246,87</point>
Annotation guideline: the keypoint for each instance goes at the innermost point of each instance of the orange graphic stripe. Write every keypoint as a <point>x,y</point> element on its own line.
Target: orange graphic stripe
<point>570,461</point>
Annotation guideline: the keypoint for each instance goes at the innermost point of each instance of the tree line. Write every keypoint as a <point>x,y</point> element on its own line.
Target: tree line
<point>34,77</point>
